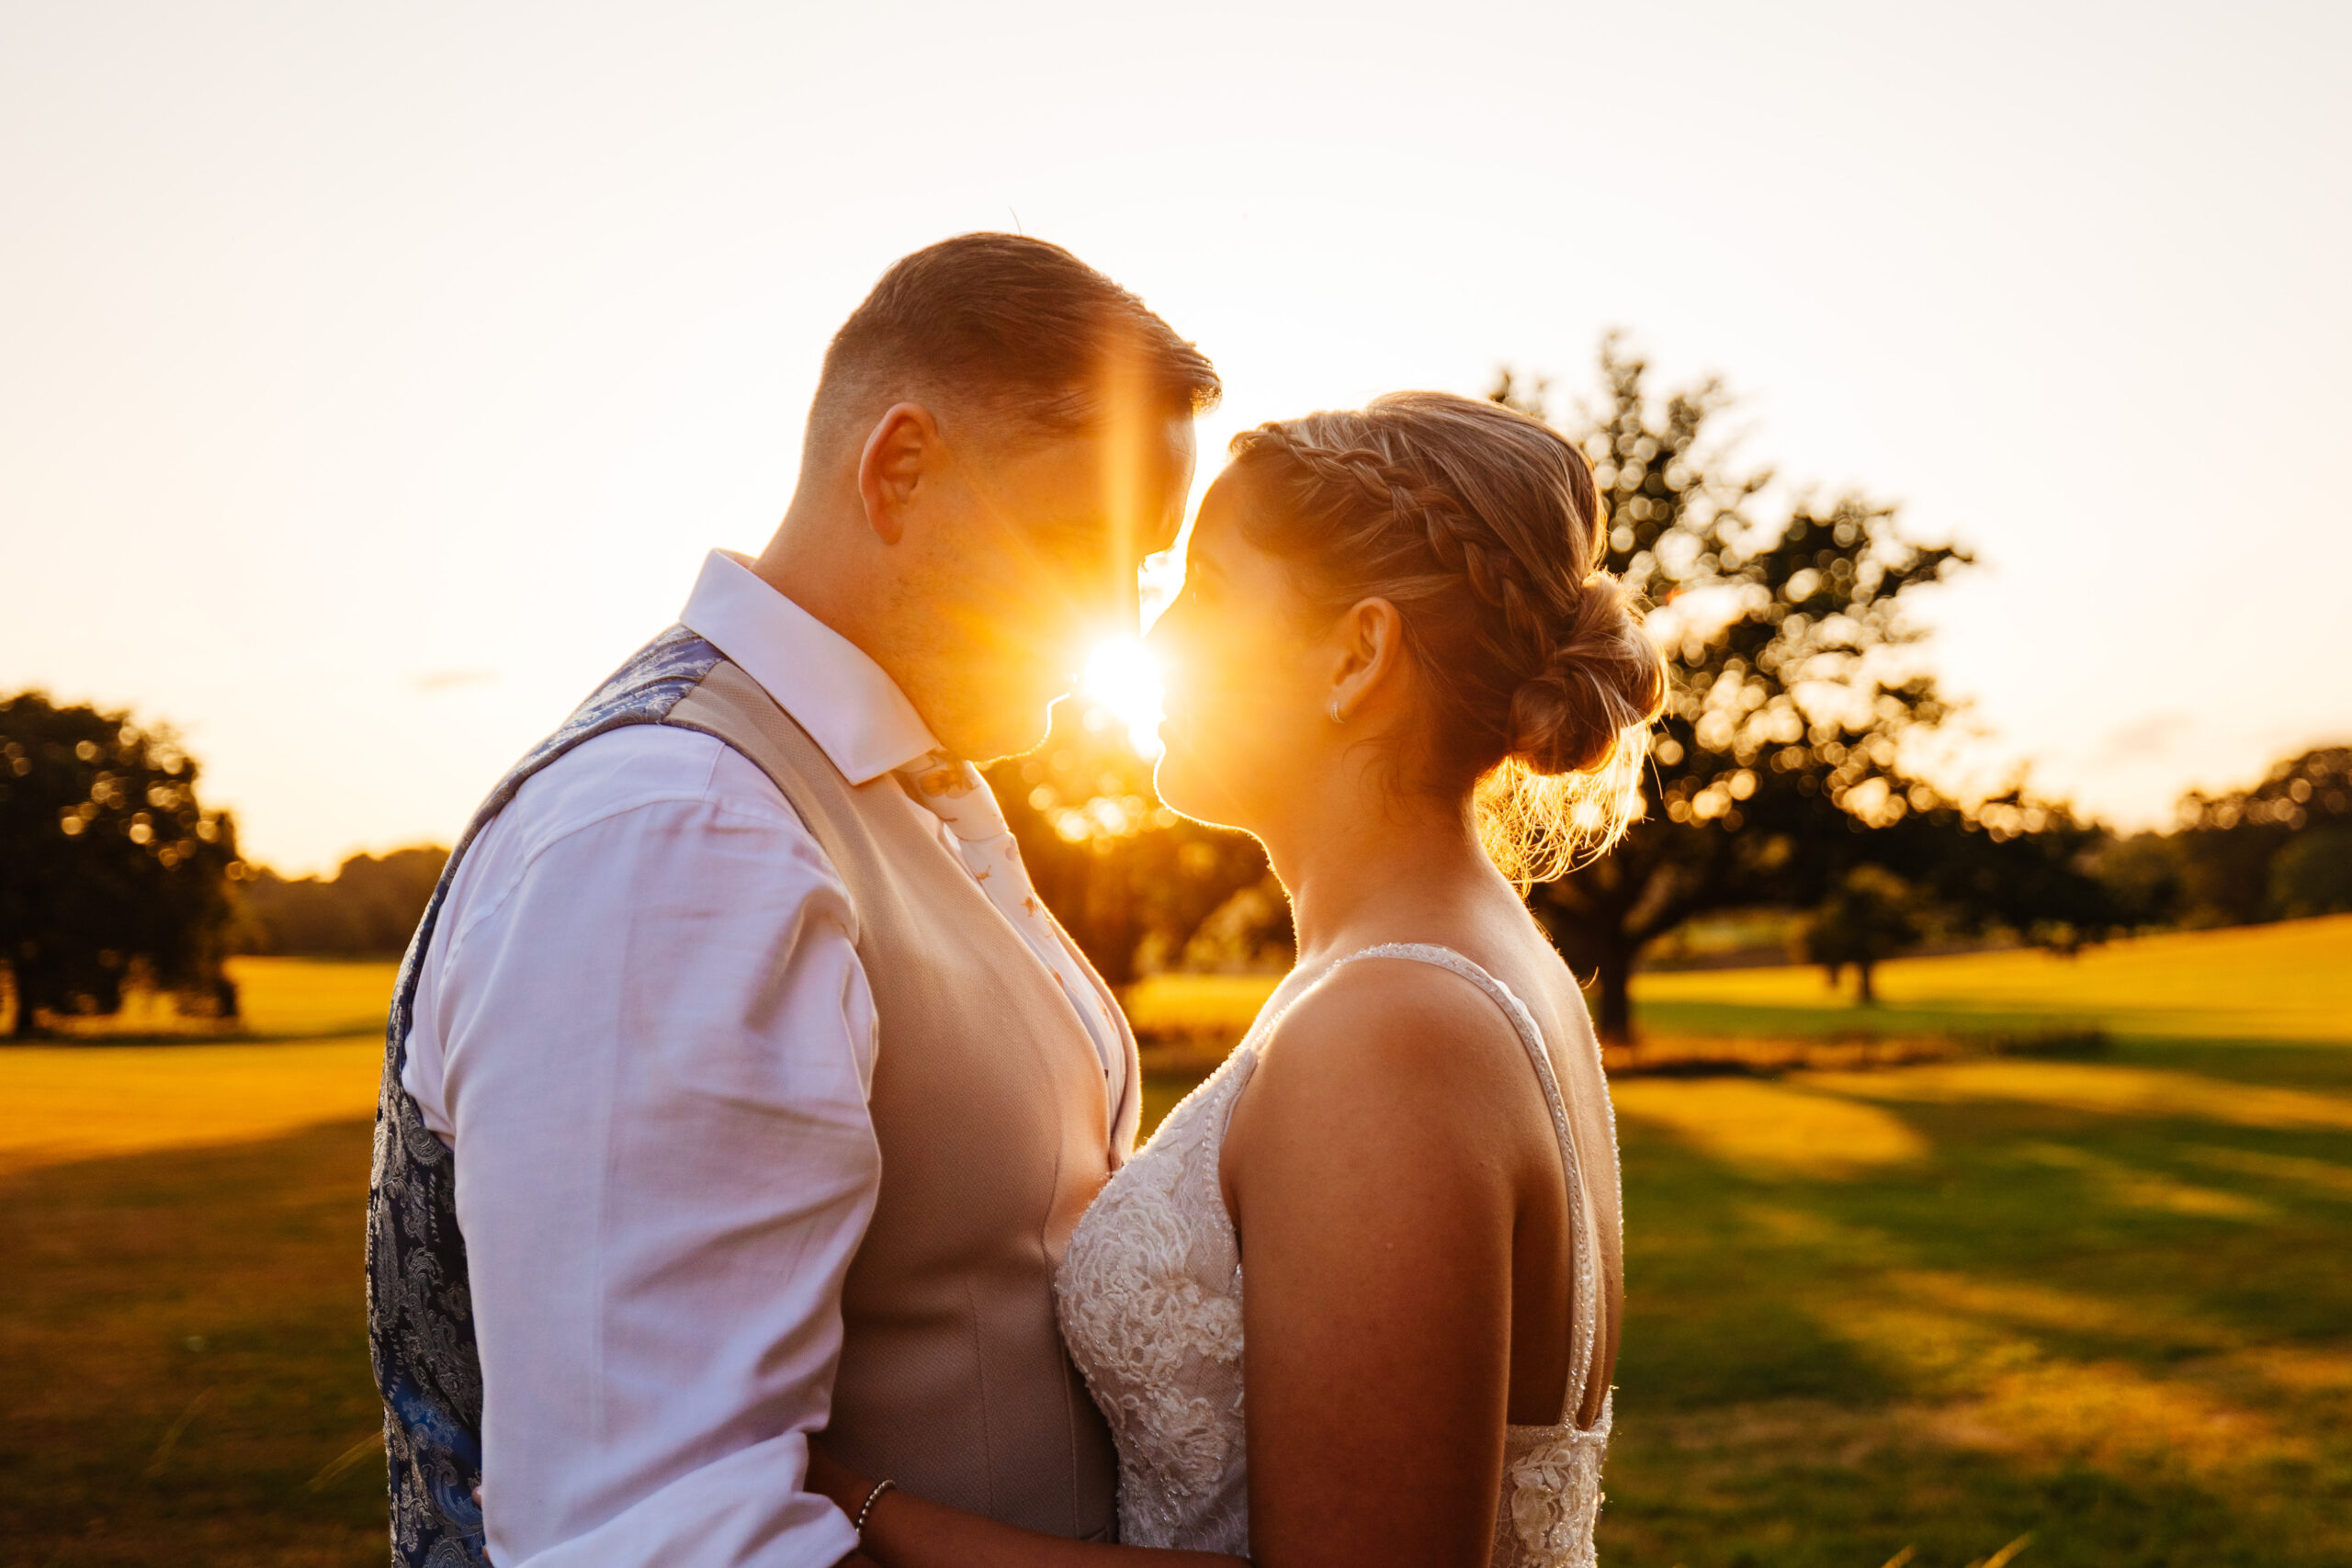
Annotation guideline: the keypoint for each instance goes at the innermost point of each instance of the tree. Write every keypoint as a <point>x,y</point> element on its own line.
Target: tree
<point>2230,845</point>
<point>1791,699</point>
<point>2313,875</point>
<point>108,863</point>
<point>2009,864</point>
<point>1870,916</point>
<point>2142,875</point>
<point>367,910</point>
<point>1128,877</point>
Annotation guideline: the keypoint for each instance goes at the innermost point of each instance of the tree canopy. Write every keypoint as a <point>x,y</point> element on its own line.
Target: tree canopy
<point>1130,879</point>
<point>109,864</point>
<point>369,909</point>
<point>1778,766</point>
<point>2279,849</point>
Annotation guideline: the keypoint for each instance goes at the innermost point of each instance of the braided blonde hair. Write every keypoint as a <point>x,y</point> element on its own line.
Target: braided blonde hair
<point>1482,527</point>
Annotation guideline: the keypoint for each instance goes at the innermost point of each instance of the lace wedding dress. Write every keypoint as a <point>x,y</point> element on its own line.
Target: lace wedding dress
<point>1150,1294</point>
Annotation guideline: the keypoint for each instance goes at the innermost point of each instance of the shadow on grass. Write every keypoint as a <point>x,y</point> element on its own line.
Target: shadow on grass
<point>2125,1335</point>
<point>184,1359</point>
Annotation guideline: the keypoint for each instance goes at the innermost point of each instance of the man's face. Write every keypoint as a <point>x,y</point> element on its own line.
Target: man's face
<point>1030,550</point>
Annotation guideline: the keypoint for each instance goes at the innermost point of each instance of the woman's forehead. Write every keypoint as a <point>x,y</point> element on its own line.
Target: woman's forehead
<point>1219,515</point>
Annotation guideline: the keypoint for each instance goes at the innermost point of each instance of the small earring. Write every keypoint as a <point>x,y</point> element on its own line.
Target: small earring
<point>1337,716</point>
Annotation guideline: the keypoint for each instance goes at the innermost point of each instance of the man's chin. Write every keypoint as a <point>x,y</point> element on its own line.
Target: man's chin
<point>1016,736</point>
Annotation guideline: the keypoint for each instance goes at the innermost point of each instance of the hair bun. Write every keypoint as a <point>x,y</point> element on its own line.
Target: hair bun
<point>1600,679</point>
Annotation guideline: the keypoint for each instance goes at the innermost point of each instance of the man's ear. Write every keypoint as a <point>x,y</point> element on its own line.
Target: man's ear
<point>890,470</point>
<point>1371,647</point>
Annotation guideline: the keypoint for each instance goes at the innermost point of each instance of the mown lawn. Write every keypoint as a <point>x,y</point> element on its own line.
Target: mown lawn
<point>2106,1305</point>
<point>183,1358</point>
<point>2288,981</point>
<point>278,999</point>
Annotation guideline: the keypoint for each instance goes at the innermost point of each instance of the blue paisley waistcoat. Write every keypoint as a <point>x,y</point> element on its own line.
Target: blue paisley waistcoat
<point>420,1310</point>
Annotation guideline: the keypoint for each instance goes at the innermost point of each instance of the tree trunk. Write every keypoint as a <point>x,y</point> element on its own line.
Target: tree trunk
<point>28,994</point>
<point>1868,993</point>
<point>1615,974</point>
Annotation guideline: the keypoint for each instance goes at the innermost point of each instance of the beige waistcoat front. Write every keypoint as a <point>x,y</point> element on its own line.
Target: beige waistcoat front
<point>988,1105</point>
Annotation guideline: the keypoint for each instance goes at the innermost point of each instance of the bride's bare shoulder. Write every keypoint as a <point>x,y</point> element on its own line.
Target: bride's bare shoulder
<point>1383,1038</point>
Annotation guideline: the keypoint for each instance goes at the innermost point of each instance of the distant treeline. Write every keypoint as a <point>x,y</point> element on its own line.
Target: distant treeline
<point>2279,850</point>
<point>368,909</point>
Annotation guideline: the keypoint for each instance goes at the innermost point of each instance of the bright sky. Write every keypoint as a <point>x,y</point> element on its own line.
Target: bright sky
<point>372,378</point>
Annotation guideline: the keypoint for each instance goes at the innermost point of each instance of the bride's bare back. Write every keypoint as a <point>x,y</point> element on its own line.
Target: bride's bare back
<point>1423,1309</point>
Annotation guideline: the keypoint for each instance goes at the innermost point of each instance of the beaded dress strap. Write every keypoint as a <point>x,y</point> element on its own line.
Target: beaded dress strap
<point>1585,1331</point>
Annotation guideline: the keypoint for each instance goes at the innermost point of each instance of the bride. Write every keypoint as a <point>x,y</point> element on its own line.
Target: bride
<point>1396,662</point>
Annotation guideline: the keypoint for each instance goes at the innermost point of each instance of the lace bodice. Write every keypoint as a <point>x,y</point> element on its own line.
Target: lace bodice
<point>1150,1294</point>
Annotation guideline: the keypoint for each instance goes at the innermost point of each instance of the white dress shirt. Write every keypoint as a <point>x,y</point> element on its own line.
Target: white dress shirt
<point>643,1026</point>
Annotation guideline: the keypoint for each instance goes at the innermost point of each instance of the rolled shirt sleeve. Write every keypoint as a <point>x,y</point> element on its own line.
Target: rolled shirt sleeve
<point>651,1042</point>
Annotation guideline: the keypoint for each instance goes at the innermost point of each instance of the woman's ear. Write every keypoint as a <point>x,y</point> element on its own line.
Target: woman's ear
<point>890,470</point>
<point>1370,640</point>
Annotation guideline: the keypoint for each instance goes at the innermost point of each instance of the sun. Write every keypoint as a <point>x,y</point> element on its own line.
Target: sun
<point>1123,676</point>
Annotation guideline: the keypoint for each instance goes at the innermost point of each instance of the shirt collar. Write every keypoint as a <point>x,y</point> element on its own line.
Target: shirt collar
<point>850,707</point>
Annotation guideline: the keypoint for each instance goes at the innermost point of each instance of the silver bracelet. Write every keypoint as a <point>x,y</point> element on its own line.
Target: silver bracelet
<point>866,1509</point>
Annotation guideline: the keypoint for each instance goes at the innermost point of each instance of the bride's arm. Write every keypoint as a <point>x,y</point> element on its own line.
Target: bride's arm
<point>911,1532</point>
<point>1373,1166</point>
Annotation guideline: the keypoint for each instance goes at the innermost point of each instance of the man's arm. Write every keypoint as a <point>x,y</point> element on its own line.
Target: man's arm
<point>656,1042</point>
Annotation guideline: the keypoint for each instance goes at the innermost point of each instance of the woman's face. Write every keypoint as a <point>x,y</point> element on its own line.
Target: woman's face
<point>1246,674</point>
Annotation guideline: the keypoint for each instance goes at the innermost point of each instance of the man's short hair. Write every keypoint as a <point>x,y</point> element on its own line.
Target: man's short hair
<point>1016,330</point>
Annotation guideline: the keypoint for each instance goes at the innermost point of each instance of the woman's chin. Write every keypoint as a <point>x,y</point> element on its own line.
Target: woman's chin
<point>1172,778</point>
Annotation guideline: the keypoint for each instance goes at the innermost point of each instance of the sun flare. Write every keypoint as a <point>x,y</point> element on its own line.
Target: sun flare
<point>1123,677</point>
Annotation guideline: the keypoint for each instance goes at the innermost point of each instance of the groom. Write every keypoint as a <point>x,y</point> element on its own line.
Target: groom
<point>738,1088</point>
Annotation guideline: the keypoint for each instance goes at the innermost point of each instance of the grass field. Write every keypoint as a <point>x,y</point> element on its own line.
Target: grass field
<point>2289,981</point>
<point>2104,1306</point>
<point>280,998</point>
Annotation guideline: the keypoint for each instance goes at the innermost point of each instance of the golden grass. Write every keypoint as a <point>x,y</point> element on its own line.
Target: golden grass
<point>312,997</point>
<point>2047,1309</point>
<point>2127,1186</point>
<point>2207,1416</point>
<point>2288,981</point>
<point>1772,1129</point>
<point>2117,1417</point>
<point>2103,1089</point>
<point>70,1103</point>
<point>2317,1176</point>
<point>277,998</point>
<point>1974,1370</point>
<point>1188,1004</point>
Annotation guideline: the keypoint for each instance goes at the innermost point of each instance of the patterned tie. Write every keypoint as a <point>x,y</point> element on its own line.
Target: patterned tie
<point>953,791</point>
